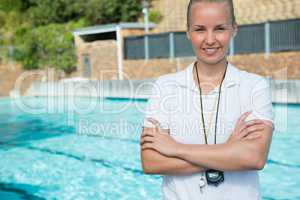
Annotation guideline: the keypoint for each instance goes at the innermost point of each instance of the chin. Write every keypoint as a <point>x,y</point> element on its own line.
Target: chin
<point>211,61</point>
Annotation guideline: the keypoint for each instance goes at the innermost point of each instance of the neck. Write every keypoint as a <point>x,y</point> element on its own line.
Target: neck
<point>211,72</point>
<point>210,76</point>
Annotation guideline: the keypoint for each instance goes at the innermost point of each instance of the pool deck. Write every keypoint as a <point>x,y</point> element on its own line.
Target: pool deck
<point>283,91</point>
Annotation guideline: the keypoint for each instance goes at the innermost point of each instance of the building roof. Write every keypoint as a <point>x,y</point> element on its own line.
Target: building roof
<point>109,28</point>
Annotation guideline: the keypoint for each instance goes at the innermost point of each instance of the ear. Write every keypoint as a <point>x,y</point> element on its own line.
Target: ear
<point>234,34</point>
<point>235,30</point>
<point>188,35</point>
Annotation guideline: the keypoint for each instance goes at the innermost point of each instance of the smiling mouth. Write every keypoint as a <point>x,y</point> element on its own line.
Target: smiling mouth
<point>211,50</point>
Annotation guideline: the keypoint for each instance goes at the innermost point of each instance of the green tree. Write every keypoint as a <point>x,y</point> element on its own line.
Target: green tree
<point>16,5</point>
<point>113,11</point>
<point>47,46</point>
<point>43,12</point>
<point>40,31</point>
<point>155,16</point>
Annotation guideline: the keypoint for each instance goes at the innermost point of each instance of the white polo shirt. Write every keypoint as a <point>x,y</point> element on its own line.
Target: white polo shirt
<point>175,104</point>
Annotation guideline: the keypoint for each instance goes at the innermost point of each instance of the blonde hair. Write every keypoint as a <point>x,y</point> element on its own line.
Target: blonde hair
<point>229,3</point>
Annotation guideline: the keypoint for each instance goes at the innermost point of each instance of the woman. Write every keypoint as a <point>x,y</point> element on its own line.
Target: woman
<point>208,128</point>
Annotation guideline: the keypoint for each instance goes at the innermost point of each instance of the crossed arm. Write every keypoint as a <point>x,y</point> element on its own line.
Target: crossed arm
<point>246,149</point>
<point>153,162</point>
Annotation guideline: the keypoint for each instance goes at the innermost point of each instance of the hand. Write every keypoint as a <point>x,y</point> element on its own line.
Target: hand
<point>158,140</point>
<point>246,130</point>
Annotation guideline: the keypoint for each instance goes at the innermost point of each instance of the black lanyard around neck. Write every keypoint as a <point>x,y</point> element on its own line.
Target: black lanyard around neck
<point>219,96</point>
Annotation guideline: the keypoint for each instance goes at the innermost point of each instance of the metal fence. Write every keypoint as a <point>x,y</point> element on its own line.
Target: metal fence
<point>159,46</point>
<point>182,46</point>
<point>285,36</point>
<point>250,39</point>
<point>257,38</point>
<point>134,47</point>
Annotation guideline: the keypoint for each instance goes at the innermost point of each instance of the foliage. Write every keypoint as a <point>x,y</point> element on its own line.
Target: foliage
<point>9,5</point>
<point>50,45</point>
<point>112,11</point>
<point>38,33</point>
<point>43,12</point>
<point>14,5</point>
<point>155,16</point>
<point>95,11</point>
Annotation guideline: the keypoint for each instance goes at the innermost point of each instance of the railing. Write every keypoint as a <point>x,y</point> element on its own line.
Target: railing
<point>257,38</point>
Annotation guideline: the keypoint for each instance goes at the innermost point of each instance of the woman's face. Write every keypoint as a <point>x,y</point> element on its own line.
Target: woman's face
<point>210,31</point>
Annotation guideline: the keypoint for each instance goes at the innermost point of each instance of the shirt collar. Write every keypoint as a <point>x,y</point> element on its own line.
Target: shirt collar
<point>231,77</point>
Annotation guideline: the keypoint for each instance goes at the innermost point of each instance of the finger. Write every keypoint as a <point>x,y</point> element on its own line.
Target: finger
<point>250,123</point>
<point>147,146</point>
<point>240,122</point>
<point>154,122</point>
<point>251,130</point>
<point>255,128</point>
<point>165,131</point>
<point>255,121</point>
<point>148,133</point>
<point>149,129</point>
<point>147,139</point>
<point>241,128</point>
<point>253,136</point>
<point>244,116</point>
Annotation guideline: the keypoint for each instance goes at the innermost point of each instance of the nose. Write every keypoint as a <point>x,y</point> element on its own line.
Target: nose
<point>210,38</point>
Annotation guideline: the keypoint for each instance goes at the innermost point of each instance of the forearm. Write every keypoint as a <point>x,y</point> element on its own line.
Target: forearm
<point>225,157</point>
<point>156,163</point>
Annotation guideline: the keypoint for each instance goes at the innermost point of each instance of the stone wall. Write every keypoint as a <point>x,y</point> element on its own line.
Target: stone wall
<point>104,60</point>
<point>8,75</point>
<point>132,32</point>
<point>141,69</point>
<point>285,65</point>
<point>102,55</point>
<point>279,66</point>
<point>12,77</point>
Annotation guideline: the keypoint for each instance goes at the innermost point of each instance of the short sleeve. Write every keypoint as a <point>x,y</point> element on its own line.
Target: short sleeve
<point>156,106</point>
<point>261,101</point>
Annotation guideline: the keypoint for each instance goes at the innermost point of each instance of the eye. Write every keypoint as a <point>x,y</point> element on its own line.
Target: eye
<point>199,30</point>
<point>220,29</point>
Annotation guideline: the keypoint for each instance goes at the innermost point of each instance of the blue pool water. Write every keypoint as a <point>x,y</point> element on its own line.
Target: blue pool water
<point>58,148</point>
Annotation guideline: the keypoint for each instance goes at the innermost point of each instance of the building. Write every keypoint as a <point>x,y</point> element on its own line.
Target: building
<point>100,48</point>
<point>99,55</point>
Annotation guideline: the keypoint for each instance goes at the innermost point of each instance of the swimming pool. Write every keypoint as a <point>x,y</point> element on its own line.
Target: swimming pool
<point>92,152</point>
